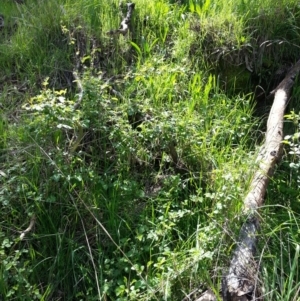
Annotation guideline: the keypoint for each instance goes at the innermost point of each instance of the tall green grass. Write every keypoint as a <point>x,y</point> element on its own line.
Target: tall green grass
<point>136,193</point>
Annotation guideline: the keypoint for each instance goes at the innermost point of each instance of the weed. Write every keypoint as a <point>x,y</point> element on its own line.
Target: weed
<point>136,190</point>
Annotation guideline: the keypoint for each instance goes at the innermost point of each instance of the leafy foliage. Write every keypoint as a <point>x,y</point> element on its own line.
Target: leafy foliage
<point>136,182</point>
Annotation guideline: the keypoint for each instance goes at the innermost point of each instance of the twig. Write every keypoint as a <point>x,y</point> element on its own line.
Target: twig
<point>111,90</point>
<point>124,26</point>
<point>190,296</point>
<point>31,225</point>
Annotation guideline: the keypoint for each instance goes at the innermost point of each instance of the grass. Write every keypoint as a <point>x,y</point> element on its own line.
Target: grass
<point>137,194</point>
<point>280,279</point>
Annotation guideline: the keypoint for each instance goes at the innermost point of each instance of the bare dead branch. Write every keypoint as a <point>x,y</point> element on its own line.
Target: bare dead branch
<point>240,283</point>
<point>31,225</point>
<point>124,26</point>
<point>241,278</point>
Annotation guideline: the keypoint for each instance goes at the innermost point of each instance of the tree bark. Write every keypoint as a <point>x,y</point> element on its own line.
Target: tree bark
<point>241,281</point>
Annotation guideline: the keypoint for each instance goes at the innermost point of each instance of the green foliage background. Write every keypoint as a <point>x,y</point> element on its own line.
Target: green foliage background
<point>137,192</point>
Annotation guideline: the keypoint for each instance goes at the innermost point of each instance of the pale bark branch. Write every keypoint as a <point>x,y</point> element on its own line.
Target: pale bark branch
<point>241,281</point>
<point>124,26</point>
<point>31,225</point>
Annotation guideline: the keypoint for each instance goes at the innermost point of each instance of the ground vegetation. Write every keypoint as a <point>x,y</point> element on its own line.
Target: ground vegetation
<point>125,155</point>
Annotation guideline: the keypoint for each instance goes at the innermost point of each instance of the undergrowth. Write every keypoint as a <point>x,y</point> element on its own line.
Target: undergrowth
<point>132,154</point>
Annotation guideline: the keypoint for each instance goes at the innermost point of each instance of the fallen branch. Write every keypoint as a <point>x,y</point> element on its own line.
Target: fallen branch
<point>241,280</point>
<point>240,283</point>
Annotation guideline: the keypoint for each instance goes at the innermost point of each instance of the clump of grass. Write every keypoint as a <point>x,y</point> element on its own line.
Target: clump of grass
<point>135,190</point>
<point>280,258</point>
<point>154,165</point>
